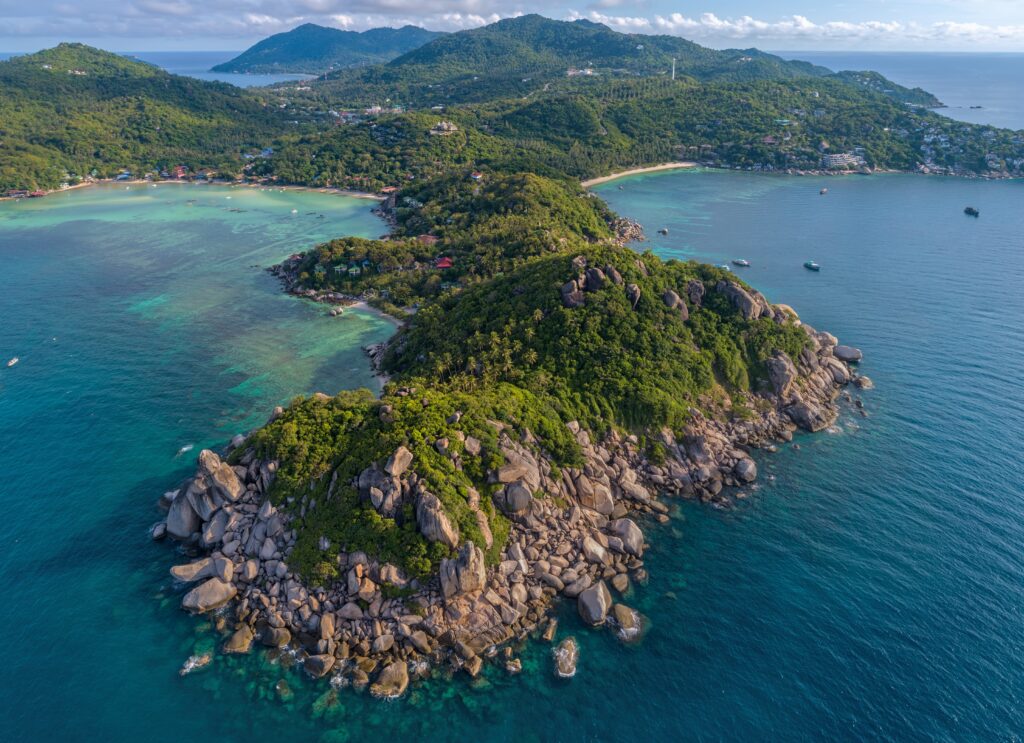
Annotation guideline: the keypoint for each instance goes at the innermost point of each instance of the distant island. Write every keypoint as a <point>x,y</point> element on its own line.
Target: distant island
<point>314,49</point>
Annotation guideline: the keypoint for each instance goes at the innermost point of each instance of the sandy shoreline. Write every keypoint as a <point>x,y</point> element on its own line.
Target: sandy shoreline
<point>637,171</point>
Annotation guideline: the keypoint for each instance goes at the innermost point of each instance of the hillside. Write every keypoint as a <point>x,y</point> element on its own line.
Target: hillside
<point>314,49</point>
<point>600,126</point>
<point>72,111</point>
<point>516,56</point>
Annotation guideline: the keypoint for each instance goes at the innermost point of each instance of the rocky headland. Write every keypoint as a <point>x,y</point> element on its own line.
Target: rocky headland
<point>575,533</point>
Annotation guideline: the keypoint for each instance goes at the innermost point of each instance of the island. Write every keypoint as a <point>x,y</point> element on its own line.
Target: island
<point>534,421</point>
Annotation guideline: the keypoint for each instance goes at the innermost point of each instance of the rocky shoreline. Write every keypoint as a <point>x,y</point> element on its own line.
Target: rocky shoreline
<point>576,533</point>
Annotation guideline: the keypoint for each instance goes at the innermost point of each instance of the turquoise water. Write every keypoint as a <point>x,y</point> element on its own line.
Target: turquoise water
<point>869,588</point>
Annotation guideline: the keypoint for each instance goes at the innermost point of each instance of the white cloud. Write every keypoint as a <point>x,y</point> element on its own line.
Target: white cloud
<point>798,28</point>
<point>248,20</point>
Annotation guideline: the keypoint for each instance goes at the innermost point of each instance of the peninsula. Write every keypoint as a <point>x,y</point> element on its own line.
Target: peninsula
<point>537,417</point>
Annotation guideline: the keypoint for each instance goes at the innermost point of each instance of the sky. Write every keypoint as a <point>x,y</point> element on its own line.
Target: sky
<point>861,25</point>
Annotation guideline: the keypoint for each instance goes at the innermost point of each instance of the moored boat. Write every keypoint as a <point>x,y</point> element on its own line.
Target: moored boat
<point>12,362</point>
<point>971,212</point>
<point>741,262</point>
<point>823,191</point>
<point>812,266</point>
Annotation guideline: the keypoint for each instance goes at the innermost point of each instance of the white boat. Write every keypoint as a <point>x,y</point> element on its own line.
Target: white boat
<point>12,362</point>
<point>741,262</point>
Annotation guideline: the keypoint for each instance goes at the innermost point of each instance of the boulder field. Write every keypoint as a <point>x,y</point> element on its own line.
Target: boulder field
<point>576,533</point>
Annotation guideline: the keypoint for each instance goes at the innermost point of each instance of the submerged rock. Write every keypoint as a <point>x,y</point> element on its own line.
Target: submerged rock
<point>567,655</point>
<point>392,681</point>
<point>627,620</point>
<point>240,641</point>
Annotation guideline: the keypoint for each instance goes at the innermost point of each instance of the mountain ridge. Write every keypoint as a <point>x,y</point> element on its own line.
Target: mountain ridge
<point>314,49</point>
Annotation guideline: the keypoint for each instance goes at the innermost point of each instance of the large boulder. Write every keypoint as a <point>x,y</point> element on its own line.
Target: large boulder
<point>809,417</point>
<point>213,530</point>
<point>275,637</point>
<point>219,476</point>
<point>633,294</point>
<point>745,470</point>
<point>318,666</point>
<point>398,462</point>
<point>433,522</point>
<point>182,520</point>
<point>464,573</point>
<point>630,534</point>
<point>384,491</point>
<point>240,641</point>
<point>594,604</point>
<point>750,304</point>
<point>695,292</point>
<point>781,373</point>
<point>392,681</point>
<point>514,498</point>
<point>193,571</point>
<point>674,302</point>
<point>594,280</point>
<point>572,297</point>
<point>210,595</point>
<point>594,495</point>
<point>594,553</point>
<point>847,353</point>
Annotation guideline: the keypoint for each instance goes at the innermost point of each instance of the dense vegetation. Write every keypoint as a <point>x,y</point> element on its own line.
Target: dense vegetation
<point>517,56</point>
<point>496,343</point>
<point>73,112</point>
<point>598,126</point>
<point>70,112</point>
<point>483,228</point>
<point>314,49</point>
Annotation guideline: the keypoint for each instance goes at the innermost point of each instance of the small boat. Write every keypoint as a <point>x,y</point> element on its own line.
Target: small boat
<point>823,191</point>
<point>295,211</point>
<point>971,212</point>
<point>741,262</point>
<point>12,362</point>
<point>663,231</point>
<point>812,266</point>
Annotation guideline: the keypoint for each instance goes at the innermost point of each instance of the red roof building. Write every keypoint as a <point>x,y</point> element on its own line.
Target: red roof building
<point>443,262</point>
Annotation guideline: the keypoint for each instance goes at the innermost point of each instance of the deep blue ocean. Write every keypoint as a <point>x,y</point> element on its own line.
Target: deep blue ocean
<point>870,588</point>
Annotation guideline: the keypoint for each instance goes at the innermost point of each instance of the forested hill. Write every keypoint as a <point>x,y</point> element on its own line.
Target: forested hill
<point>521,56</point>
<point>314,49</point>
<point>516,56</point>
<point>72,111</point>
